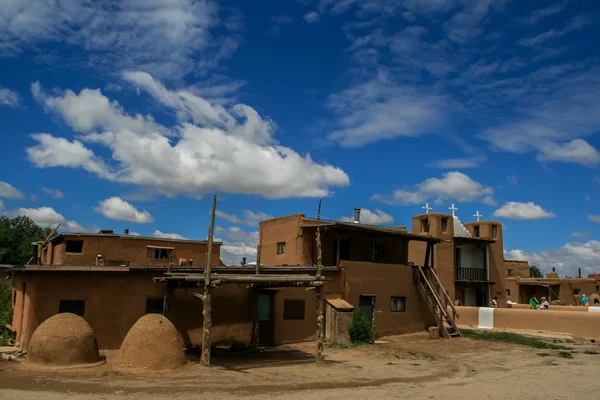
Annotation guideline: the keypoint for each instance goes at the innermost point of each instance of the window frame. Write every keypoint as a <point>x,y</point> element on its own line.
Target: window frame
<point>425,225</point>
<point>159,250</point>
<point>444,224</point>
<point>67,241</point>
<point>281,247</point>
<point>509,271</point>
<point>476,231</point>
<point>394,301</point>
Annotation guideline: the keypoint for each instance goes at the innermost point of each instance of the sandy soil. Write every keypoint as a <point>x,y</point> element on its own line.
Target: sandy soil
<point>403,367</point>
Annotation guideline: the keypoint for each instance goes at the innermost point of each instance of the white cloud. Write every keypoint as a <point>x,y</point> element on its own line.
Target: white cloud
<point>57,194</point>
<point>8,98</point>
<point>162,235</point>
<point>542,13</point>
<point>455,163</point>
<point>233,150</point>
<point>239,244</point>
<point>453,185</point>
<point>367,216</point>
<point>577,151</point>
<point>382,109</point>
<point>512,179</point>
<point>8,191</point>
<point>250,218</point>
<point>2,208</point>
<point>469,23</point>
<point>120,210</point>
<point>580,235</point>
<point>577,23</point>
<point>594,218</point>
<point>522,211</point>
<point>169,38</point>
<point>566,259</point>
<point>311,17</point>
<point>48,217</point>
<point>278,21</point>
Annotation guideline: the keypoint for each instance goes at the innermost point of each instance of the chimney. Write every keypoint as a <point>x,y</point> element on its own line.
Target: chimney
<point>127,231</point>
<point>244,260</point>
<point>579,273</point>
<point>553,269</point>
<point>357,215</point>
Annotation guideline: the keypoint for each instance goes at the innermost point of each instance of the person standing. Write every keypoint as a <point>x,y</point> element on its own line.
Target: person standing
<point>533,301</point>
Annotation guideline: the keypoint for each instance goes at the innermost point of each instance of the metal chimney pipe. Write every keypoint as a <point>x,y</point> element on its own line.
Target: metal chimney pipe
<point>553,269</point>
<point>579,272</point>
<point>244,260</point>
<point>357,215</point>
<point>127,231</point>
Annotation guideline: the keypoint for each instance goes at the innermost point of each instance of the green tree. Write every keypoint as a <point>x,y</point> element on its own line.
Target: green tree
<point>360,330</point>
<point>535,272</point>
<point>16,236</point>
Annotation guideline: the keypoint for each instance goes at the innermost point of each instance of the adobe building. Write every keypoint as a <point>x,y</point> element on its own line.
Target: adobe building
<point>469,260</point>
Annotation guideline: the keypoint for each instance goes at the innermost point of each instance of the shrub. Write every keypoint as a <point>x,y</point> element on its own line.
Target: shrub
<point>360,330</point>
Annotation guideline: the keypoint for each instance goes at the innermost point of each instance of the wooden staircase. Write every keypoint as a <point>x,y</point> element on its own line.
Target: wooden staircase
<point>436,297</point>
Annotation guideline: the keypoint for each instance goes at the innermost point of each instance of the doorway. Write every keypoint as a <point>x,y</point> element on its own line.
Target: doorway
<point>266,323</point>
<point>367,306</point>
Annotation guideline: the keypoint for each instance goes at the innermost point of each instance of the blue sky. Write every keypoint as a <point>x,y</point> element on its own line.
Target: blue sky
<point>132,114</point>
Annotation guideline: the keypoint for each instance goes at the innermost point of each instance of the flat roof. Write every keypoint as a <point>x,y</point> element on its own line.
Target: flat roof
<point>130,237</point>
<point>369,229</point>
<point>186,269</point>
<point>473,240</point>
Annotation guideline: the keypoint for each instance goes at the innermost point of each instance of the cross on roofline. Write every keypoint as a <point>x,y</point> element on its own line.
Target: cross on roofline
<point>427,208</point>
<point>453,210</point>
<point>477,215</point>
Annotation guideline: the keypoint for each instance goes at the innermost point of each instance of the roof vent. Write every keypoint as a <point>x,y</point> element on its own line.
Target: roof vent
<point>126,231</point>
<point>357,215</point>
<point>107,232</point>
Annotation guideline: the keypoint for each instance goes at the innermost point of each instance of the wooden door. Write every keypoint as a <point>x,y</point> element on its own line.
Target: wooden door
<point>367,305</point>
<point>266,323</point>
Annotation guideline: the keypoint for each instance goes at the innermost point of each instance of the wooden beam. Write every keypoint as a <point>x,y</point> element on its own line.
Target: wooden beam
<point>320,356</point>
<point>167,299</point>
<point>207,306</point>
<point>198,296</point>
<point>257,269</point>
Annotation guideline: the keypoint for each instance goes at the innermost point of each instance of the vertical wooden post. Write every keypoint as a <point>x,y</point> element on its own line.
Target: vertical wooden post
<point>167,299</point>
<point>207,306</point>
<point>337,251</point>
<point>255,332</point>
<point>319,293</point>
<point>373,319</point>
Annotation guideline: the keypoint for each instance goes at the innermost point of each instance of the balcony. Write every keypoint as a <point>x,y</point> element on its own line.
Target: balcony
<point>470,274</point>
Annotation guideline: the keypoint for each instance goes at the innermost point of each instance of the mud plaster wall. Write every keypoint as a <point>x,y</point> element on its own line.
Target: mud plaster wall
<point>131,249</point>
<point>467,316</point>
<point>114,301</point>
<point>521,293</point>
<point>385,281</point>
<point>519,268</point>
<point>285,229</point>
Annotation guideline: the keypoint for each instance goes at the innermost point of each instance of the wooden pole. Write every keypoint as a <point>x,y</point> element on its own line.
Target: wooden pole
<point>255,332</point>
<point>207,306</point>
<point>320,357</point>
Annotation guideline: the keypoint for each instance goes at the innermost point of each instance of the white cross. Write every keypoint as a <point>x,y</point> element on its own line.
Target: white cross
<point>453,210</point>
<point>427,208</point>
<point>478,215</point>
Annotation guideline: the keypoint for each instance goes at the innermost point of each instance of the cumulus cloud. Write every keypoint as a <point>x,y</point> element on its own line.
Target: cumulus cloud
<point>452,186</point>
<point>169,38</point>
<point>2,207</point>
<point>238,244</point>
<point>120,210</point>
<point>575,24</point>
<point>249,217</point>
<point>367,216</point>
<point>580,235</point>
<point>8,191</point>
<point>48,217</point>
<point>8,98</point>
<point>311,17</point>
<point>229,150</point>
<point>594,218</point>
<point>57,194</point>
<point>522,211</point>
<point>162,235</point>
<point>455,163</point>
<point>566,259</point>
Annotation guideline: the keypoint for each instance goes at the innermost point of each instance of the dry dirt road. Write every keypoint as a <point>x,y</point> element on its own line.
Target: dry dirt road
<point>403,367</point>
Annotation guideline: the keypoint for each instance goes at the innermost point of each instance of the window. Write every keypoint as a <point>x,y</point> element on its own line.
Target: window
<point>293,309</point>
<point>444,224</point>
<point>74,246</point>
<point>507,292</point>
<point>159,254</point>
<point>576,291</point>
<point>76,307</point>
<point>476,231</point>
<point>509,271</point>
<point>424,226</point>
<point>457,257</point>
<point>379,250</point>
<point>281,248</point>
<point>494,231</point>
<point>398,304</point>
<point>154,306</point>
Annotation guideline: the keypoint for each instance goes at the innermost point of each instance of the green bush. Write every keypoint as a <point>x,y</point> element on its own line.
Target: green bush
<point>5,311</point>
<point>360,330</point>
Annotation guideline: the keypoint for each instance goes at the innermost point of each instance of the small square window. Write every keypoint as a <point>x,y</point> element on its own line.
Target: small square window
<point>293,309</point>
<point>159,254</point>
<point>154,306</point>
<point>494,231</point>
<point>74,246</point>
<point>444,224</point>
<point>398,304</point>
<point>476,231</point>
<point>508,292</point>
<point>576,291</point>
<point>424,226</point>
<point>510,271</point>
<point>281,248</point>
<point>76,307</point>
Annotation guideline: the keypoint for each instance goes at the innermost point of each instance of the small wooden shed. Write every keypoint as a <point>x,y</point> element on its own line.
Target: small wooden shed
<point>337,320</point>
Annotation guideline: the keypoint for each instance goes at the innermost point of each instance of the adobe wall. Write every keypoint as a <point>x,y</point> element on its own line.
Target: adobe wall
<point>565,291</point>
<point>584,325</point>
<point>519,268</point>
<point>114,301</point>
<point>385,281</point>
<point>132,249</point>
<point>284,229</point>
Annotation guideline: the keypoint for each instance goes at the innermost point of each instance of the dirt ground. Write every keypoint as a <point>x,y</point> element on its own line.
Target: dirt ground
<point>400,367</point>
